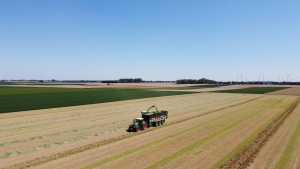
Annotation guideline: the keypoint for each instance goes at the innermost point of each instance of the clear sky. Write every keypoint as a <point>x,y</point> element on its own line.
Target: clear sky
<point>152,40</point>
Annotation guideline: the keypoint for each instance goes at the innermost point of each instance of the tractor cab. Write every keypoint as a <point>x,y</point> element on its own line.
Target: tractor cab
<point>138,120</point>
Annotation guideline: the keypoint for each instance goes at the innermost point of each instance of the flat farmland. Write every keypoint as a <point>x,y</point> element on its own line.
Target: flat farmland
<point>283,149</point>
<point>203,130</point>
<point>14,99</point>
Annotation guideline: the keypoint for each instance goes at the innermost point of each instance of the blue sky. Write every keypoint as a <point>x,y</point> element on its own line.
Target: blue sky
<point>152,40</point>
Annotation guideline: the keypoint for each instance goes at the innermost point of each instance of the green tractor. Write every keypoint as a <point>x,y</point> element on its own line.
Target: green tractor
<point>148,119</point>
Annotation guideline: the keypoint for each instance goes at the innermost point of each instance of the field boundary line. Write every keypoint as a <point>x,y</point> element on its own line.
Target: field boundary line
<point>45,159</point>
<point>247,155</point>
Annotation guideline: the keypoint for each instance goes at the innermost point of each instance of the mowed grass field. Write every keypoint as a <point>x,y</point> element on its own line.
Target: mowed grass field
<point>204,130</point>
<point>14,99</point>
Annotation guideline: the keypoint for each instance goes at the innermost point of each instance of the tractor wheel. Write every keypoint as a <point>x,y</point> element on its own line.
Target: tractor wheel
<point>138,129</point>
<point>162,122</point>
<point>145,126</point>
<point>158,123</point>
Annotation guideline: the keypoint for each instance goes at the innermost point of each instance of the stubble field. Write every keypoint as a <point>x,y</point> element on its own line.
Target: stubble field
<point>204,130</point>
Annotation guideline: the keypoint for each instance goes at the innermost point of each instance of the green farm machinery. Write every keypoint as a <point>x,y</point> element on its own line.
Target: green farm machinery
<point>149,119</point>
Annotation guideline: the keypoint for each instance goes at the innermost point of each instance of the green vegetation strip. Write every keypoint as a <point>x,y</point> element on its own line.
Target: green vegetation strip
<point>225,160</point>
<point>13,102</point>
<point>289,151</point>
<point>42,160</point>
<point>185,150</point>
<point>247,155</point>
<point>253,90</point>
<point>194,87</point>
<point>142,147</point>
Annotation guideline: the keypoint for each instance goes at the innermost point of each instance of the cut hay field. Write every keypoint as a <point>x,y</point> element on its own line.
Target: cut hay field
<point>204,130</point>
<point>283,149</point>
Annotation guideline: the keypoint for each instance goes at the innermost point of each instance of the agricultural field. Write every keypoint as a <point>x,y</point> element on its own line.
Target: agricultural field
<point>283,149</point>
<point>255,90</point>
<point>204,130</point>
<point>14,99</point>
<point>289,91</point>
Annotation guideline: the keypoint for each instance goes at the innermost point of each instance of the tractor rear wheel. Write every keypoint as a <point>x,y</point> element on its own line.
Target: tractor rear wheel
<point>138,128</point>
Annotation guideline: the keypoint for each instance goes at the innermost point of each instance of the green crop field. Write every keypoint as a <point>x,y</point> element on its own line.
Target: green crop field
<point>253,90</point>
<point>14,99</point>
<point>194,87</point>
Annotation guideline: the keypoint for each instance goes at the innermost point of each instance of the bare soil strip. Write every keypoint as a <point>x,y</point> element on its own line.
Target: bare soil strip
<point>289,91</point>
<point>247,155</point>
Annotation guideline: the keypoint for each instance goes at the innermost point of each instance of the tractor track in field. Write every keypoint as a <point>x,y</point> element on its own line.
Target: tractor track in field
<point>45,159</point>
<point>247,155</point>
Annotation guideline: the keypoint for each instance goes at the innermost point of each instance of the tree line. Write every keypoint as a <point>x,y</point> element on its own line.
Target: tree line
<point>125,80</point>
<point>195,81</point>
